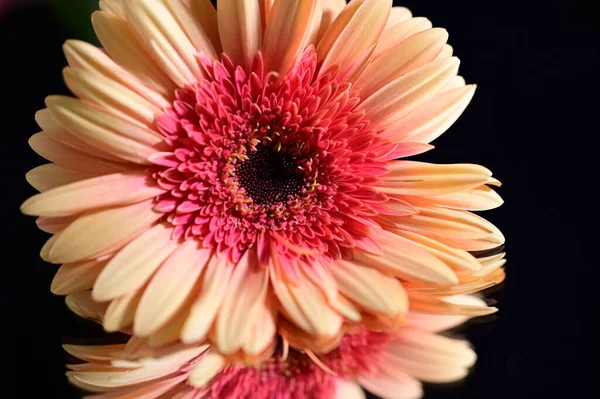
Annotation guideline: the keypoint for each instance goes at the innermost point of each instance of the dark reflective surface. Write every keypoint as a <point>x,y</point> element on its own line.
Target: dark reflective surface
<point>533,122</point>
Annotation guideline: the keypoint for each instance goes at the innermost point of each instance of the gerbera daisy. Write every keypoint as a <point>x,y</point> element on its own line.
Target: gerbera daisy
<point>390,364</point>
<point>225,175</point>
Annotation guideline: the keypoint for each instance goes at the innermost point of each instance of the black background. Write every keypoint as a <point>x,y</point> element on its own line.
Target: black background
<point>533,121</point>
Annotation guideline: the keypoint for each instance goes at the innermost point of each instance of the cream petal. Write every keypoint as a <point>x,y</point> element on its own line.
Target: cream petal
<point>58,133</point>
<point>407,93</point>
<point>113,6</point>
<point>446,52</point>
<point>63,155</point>
<point>447,224</point>
<point>305,304</point>
<point>262,332</point>
<point>187,13</point>
<point>240,30</point>
<point>50,177</point>
<point>111,96</point>
<point>104,131</point>
<point>121,44</point>
<point>480,198</point>
<point>490,264</point>
<point>97,232</point>
<point>170,287</point>
<point>164,39</point>
<point>75,277</point>
<point>420,178</point>
<point>404,259</point>
<point>121,311</point>
<point>331,10</point>
<point>292,26</point>
<point>402,58</point>
<point>96,192</point>
<point>169,333</point>
<point>431,120</point>
<point>430,304</point>
<point>397,15</point>
<point>84,306</point>
<point>395,34</point>
<point>96,353</point>
<point>430,357</point>
<point>453,257</point>
<point>370,289</point>
<point>54,225</point>
<point>241,305</point>
<point>347,390</point>
<point>205,15</point>
<point>206,369</point>
<point>131,267</point>
<point>84,56</point>
<point>202,314</point>
<point>353,33</point>
<point>437,323</point>
<point>400,386</point>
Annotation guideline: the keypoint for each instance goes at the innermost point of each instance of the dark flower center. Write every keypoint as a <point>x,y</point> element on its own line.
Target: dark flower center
<point>269,176</point>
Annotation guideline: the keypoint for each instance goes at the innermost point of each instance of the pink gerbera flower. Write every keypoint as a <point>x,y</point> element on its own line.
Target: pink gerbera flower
<point>389,364</point>
<point>225,175</point>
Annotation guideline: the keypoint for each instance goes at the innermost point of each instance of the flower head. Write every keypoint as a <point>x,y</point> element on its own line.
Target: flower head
<point>228,176</point>
<point>389,364</point>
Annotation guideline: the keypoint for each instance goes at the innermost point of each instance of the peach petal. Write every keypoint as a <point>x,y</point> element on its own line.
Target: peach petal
<point>400,386</point>
<point>429,304</point>
<point>96,192</point>
<point>370,289</point>
<point>75,277</point>
<point>291,27</point>
<point>480,198</point>
<point>207,368</point>
<point>113,6</point>
<point>455,258</point>
<point>432,120</point>
<point>331,10</point>
<point>84,56</point>
<point>111,96</point>
<point>121,311</point>
<point>241,305</point>
<point>205,16</point>
<point>104,131</point>
<point>120,43</point>
<point>438,323</point>
<point>397,15</point>
<point>347,390</point>
<point>58,133</point>
<point>355,31</point>
<point>240,30</point>
<point>50,177</point>
<point>165,40</point>
<point>188,15</point>
<point>425,179</point>
<point>170,287</point>
<point>96,232</point>
<point>305,304</point>
<point>402,58</point>
<point>204,309</point>
<point>82,304</point>
<point>132,266</point>
<point>54,225</point>
<point>404,259</point>
<point>407,93</point>
<point>395,34</point>
<point>63,155</point>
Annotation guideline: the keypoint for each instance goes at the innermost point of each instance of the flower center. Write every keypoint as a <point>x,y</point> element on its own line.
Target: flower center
<point>269,177</point>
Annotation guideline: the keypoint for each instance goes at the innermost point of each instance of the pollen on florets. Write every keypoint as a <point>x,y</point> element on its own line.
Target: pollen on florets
<point>255,155</point>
